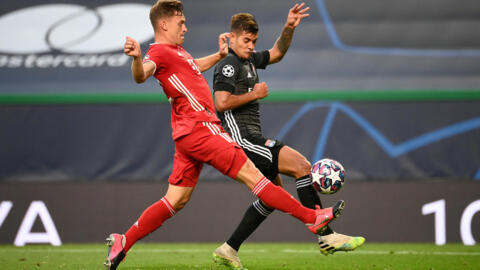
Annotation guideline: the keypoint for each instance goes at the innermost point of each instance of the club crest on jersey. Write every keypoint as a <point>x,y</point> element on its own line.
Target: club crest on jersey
<point>270,143</point>
<point>228,71</point>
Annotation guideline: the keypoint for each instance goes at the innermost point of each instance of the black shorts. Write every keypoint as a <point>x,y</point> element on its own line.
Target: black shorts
<point>263,153</point>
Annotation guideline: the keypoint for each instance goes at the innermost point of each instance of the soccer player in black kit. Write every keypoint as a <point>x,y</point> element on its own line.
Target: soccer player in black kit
<point>237,91</point>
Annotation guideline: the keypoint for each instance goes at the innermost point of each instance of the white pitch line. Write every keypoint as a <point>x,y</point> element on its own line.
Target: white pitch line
<point>156,250</point>
<point>54,250</point>
<point>60,250</point>
<point>193,250</point>
<point>398,252</point>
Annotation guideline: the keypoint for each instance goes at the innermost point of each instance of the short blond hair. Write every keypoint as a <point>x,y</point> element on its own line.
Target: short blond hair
<point>165,8</point>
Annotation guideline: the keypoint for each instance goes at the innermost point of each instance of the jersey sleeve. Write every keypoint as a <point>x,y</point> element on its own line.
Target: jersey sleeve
<point>261,59</point>
<point>154,56</point>
<point>225,74</point>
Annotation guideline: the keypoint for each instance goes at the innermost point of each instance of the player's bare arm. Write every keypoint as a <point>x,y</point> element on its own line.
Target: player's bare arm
<point>295,16</point>
<point>224,100</point>
<point>205,63</point>
<point>140,71</point>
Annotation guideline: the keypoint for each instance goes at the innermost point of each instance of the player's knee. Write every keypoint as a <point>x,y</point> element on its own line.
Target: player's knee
<point>180,204</point>
<point>277,180</point>
<point>249,174</point>
<point>302,167</point>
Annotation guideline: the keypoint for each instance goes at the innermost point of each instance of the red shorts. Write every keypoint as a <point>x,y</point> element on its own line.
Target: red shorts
<point>207,143</point>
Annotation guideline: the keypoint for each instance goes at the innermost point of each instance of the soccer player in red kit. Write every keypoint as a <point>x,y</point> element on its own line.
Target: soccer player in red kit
<point>197,133</point>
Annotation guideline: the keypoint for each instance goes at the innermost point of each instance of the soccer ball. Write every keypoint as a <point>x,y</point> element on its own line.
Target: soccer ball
<point>328,176</point>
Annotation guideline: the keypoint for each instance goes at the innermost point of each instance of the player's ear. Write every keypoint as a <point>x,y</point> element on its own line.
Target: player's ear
<point>163,25</point>
<point>231,38</point>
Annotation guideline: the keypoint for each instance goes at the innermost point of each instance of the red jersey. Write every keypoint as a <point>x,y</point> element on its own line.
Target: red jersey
<point>184,85</point>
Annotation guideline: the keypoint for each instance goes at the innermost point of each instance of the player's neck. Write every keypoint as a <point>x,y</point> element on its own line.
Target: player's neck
<point>162,39</point>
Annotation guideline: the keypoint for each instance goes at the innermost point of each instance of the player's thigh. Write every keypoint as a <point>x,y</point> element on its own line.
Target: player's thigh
<point>249,174</point>
<point>264,163</point>
<point>264,154</point>
<point>185,171</point>
<point>226,156</point>
<point>292,163</point>
<point>209,144</point>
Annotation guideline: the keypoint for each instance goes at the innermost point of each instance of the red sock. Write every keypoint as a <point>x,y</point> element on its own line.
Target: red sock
<point>278,198</point>
<point>150,220</point>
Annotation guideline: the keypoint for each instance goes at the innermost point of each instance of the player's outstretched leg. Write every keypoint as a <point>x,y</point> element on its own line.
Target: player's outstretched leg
<point>277,198</point>
<point>116,250</point>
<point>334,242</point>
<point>325,216</point>
<point>329,241</point>
<point>292,163</point>
<point>308,195</point>
<point>228,256</point>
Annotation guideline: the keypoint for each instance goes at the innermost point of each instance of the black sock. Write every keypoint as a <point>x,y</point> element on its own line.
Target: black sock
<point>252,218</point>
<point>308,196</point>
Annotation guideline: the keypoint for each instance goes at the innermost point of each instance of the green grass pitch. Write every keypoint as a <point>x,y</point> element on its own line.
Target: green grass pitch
<point>174,256</point>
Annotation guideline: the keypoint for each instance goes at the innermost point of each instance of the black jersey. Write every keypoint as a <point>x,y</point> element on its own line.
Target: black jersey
<point>238,76</point>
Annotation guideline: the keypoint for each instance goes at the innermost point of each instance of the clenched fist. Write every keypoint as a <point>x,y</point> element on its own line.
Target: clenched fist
<point>261,90</point>
<point>132,48</point>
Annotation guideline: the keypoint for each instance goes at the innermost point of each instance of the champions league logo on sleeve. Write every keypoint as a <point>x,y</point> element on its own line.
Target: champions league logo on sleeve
<point>70,35</point>
<point>228,71</point>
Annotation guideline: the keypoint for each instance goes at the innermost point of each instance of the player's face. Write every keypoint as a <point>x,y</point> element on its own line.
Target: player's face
<point>243,43</point>
<point>177,28</point>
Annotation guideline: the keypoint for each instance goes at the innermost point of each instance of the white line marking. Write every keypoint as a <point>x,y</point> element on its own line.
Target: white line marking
<point>385,252</point>
<point>187,250</point>
<point>153,250</point>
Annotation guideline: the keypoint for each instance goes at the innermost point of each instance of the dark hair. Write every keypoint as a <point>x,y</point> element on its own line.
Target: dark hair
<point>165,8</point>
<point>244,22</point>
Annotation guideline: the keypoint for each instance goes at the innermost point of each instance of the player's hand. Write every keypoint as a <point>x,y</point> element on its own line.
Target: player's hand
<point>296,14</point>
<point>260,90</point>
<point>223,44</point>
<point>132,48</point>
